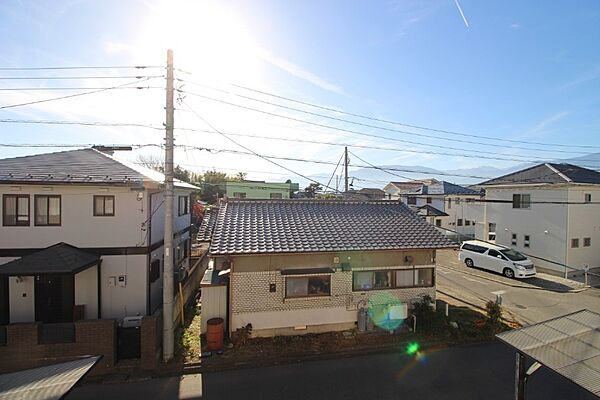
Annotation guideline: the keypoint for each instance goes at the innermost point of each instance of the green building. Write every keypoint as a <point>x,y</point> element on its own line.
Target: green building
<point>260,190</point>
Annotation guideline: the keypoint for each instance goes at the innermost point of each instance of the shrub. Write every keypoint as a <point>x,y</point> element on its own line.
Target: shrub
<point>494,317</point>
<point>240,337</point>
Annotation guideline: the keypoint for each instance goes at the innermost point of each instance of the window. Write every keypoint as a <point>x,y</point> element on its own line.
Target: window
<point>15,210</point>
<point>474,247</point>
<point>183,206</point>
<point>308,286</point>
<point>514,239</point>
<point>387,279</point>
<point>574,243</point>
<point>588,197</point>
<point>587,242</point>
<point>449,203</point>
<point>457,200</point>
<point>276,196</point>
<point>47,210</point>
<point>411,200</point>
<point>459,222</point>
<point>492,231</point>
<point>239,195</point>
<point>154,270</point>
<point>521,201</point>
<point>467,222</point>
<point>526,240</point>
<point>494,253</point>
<point>438,222</point>
<point>104,206</point>
<point>429,200</point>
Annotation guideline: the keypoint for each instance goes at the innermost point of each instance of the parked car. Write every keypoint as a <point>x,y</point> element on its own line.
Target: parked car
<point>504,260</point>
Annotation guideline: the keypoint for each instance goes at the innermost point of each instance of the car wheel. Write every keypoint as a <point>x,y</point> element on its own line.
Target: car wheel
<point>509,273</point>
<point>469,263</point>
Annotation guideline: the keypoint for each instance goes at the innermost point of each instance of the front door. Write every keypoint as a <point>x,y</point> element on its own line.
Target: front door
<point>54,298</point>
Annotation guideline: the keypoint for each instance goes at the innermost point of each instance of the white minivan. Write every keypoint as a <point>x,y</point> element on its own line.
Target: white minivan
<point>504,260</point>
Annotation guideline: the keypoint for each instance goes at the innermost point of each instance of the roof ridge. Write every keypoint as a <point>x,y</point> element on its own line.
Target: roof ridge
<point>566,178</point>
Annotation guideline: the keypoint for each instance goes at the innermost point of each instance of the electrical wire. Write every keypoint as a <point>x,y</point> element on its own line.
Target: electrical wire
<point>81,67</point>
<point>14,78</point>
<point>363,116</point>
<point>381,169</point>
<point>74,95</point>
<point>335,170</point>
<point>82,123</point>
<point>42,89</point>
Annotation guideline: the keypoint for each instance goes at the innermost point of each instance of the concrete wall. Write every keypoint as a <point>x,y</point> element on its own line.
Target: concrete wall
<point>22,299</point>
<point>79,226</point>
<point>86,291</point>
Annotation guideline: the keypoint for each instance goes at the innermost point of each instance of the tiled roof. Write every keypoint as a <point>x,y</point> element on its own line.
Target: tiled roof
<point>83,166</point>
<point>430,211</point>
<point>442,188</point>
<point>61,258</point>
<point>294,226</point>
<point>548,173</point>
<point>208,224</point>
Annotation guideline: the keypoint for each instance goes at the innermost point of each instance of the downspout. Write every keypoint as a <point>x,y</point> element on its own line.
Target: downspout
<point>567,236</point>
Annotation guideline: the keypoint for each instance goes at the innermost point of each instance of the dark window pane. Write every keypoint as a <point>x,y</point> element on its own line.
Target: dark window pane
<point>383,279</point>
<point>424,277</point>
<point>319,285</point>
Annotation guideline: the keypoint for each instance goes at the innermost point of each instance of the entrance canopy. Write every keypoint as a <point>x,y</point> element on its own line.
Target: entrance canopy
<point>569,345</point>
<point>61,258</point>
<point>52,382</point>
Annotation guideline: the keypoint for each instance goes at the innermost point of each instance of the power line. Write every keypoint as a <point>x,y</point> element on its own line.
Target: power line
<point>42,89</point>
<point>13,78</point>
<point>253,152</point>
<point>82,123</point>
<point>74,95</point>
<point>332,127</point>
<point>524,159</point>
<point>81,67</point>
<point>338,111</point>
<point>335,170</point>
<point>381,169</point>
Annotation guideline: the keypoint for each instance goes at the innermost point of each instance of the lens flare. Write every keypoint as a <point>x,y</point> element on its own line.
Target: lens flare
<point>412,348</point>
<point>385,310</point>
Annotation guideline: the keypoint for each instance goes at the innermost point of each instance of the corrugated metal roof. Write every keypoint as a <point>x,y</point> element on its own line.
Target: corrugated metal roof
<point>293,226</point>
<point>45,383</point>
<point>569,345</point>
<point>83,166</point>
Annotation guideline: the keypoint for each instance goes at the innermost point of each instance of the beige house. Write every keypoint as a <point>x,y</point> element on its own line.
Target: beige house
<point>303,266</point>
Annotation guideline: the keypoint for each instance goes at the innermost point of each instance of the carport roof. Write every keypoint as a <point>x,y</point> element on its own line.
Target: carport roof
<point>61,258</point>
<point>569,345</point>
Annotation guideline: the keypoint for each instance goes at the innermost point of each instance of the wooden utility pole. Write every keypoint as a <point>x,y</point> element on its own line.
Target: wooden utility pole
<point>168,334</point>
<point>346,169</point>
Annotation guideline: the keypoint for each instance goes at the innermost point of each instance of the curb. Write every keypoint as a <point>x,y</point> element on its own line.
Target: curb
<point>492,279</point>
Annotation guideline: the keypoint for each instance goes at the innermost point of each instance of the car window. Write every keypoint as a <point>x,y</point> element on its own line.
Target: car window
<point>473,247</point>
<point>495,253</point>
<point>513,255</point>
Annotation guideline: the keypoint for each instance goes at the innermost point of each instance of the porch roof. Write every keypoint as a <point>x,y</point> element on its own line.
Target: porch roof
<point>61,258</point>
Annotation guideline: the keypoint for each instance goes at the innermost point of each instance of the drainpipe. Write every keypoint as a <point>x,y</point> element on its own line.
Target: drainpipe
<point>567,235</point>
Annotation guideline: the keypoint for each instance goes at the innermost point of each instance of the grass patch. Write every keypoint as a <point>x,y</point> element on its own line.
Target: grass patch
<point>187,338</point>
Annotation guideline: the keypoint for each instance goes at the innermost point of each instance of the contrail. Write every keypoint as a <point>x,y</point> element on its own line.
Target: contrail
<point>461,13</point>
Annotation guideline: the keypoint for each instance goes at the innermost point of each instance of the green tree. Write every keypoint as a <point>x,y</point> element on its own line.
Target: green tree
<point>311,190</point>
<point>213,185</point>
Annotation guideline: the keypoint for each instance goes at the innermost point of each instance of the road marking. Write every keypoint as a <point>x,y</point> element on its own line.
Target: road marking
<point>474,280</point>
<point>444,272</point>
<point>498,292</point>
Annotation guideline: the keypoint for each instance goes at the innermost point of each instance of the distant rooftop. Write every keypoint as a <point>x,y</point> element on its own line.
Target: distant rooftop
<point>431,186</point>
<point>83,166</point>
<point>548,173</point>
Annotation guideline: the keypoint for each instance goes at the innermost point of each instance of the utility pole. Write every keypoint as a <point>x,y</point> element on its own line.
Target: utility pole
<point>346,169</point>
<point>168,335</point>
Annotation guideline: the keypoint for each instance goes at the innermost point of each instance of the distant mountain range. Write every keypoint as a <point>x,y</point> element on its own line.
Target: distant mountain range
<point>370,177</point>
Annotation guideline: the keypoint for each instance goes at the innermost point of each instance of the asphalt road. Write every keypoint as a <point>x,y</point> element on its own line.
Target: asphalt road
<point>527,304</point>
<point>466,372</point>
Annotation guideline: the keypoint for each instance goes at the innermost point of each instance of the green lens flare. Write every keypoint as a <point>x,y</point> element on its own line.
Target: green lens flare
<point>412,348</point>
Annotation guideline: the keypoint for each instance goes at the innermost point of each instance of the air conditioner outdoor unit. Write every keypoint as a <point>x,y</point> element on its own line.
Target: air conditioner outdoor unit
<point>132,321</point>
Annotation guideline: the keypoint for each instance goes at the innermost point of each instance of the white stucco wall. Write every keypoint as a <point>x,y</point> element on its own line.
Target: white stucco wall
<point>158,218</point>
<point>86,291</point>
<point>584,221</point>
<point>79,226</point>
<point>117,301</point>
<point>21,298</point>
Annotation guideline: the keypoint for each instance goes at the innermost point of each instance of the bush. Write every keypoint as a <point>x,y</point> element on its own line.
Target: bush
<point>494,317</point>
<point>428,320</point>
<point>240,337</point>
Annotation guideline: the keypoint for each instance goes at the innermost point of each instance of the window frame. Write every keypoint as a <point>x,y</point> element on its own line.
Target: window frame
<point>16,197</point>
<point>393,281</point>
<point>411,200</point>
<point>429,200</point>
<point>527,241</point>
<point>48,197</point>
<point>307,295</point>
<point>186,208</point>
<point>574,243</point>
<point>587,242</point>
<point>104,197</point>
<point>459,222</point>
<point>242,195</point>
<point>514,239</point>
<point>587,198</point>
<point>438,223</point>
<point>518,203</point>
<point>278,196</point>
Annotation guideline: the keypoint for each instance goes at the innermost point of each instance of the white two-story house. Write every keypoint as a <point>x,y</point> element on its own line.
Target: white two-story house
<point>443,204</point>
<point>551,212</point>
<point>81,237</point>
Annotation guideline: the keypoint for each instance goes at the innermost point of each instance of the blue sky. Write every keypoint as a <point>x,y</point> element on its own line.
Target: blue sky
<point>525,71</point>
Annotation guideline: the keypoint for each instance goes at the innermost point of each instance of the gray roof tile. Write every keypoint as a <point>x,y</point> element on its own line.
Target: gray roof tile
<point>61,258</point>
<point>548,173</point>
<point>293,226</point>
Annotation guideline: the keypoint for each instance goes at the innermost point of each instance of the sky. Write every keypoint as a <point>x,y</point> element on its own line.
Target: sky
<point>507,70</point>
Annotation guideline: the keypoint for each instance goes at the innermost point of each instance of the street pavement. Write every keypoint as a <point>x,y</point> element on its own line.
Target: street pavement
<point>464,372</point>
<point>527,302</point>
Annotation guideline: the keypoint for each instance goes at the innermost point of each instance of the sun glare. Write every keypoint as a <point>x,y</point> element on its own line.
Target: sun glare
<point>208,39</point>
